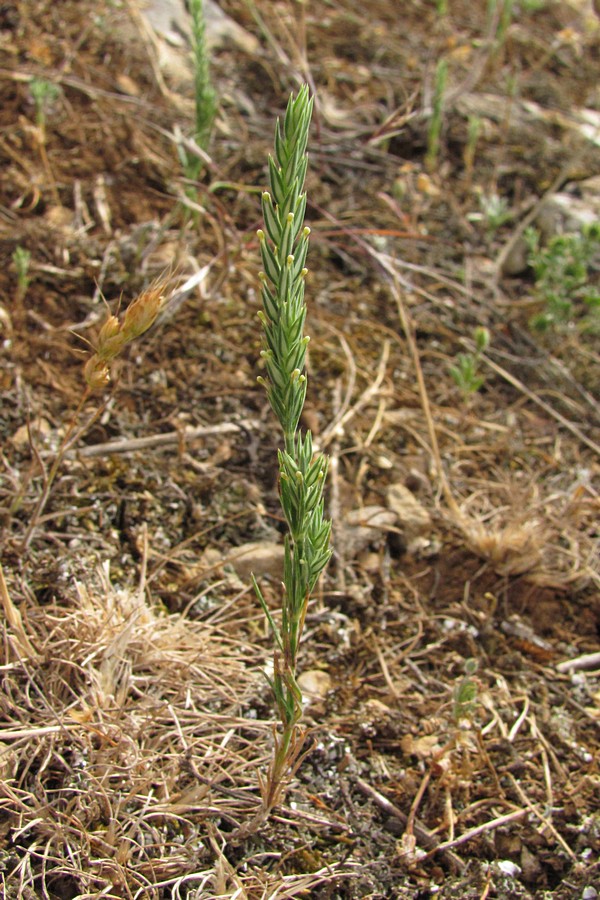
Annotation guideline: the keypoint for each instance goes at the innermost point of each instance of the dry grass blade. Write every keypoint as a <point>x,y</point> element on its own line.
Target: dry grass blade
<point>15,621</point>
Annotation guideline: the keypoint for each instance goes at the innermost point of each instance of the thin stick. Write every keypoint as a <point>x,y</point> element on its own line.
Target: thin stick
<point>544,819</point>
<point>338,423</point>
<point>423,835</point>
<point>475,832</point>
<point>587,661</point>
<point>130,445</point>
<point>407,327</point>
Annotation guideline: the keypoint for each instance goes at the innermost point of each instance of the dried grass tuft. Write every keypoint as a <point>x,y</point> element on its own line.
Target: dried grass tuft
<point>512,549</point>
<point>122,740</point>
<point>547,538</point>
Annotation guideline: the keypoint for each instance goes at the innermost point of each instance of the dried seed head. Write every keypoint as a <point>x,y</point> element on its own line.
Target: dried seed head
<point>115,335</point>
<point>96,373</point>
<point>109,329</point>
<point>142,312</point>
<point>110,344</point>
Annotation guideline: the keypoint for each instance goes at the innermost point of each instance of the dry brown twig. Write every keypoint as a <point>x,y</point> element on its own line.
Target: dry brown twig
<point>423,834</point>
<point>167,438</point>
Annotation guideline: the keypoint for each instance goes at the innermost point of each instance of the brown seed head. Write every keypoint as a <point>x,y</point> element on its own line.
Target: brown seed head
<point>109,329</point>
<point>111,339</point>
<point>96,373</point>
<point>142,313</point>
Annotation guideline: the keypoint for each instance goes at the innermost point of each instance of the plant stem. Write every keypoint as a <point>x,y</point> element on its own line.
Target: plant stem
<point>50,477</point>
<point>435,123</point>
<point>284,246</point>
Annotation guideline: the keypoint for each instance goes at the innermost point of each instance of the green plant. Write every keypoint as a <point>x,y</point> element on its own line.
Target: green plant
<point>465,692</point>
<point>506,13</point>
<point>204,95</point>
<point>562,279</point>
<point>441,7</point>
<point>494,212</point>
<point>284,246</point>
<point>500,12</point>
<point>465,371</point>
<point>21,259</point>
<point>435,123</point>
<point>531,6</point>
<point>43,94</point>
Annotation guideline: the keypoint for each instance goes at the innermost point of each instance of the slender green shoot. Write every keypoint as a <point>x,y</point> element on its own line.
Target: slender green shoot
<point>22,260</point>
<point>44,93</point>
<point>435,123</point>
<point>284,246</point>
<point>204,94</point>
<point>465,693</point>
<point>506,14</point>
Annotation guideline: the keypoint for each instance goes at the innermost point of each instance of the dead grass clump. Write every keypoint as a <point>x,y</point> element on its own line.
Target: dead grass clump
<point>122,739</point>
<point>513,549</point>
<point>533,533</point>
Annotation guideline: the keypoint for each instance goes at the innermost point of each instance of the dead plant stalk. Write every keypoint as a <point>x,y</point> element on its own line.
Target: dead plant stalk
<point>114,336</point>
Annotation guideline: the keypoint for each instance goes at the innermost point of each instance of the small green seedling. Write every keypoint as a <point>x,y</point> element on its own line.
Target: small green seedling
<point>435,123</point>
<point>506,14</point>
<point>501,12</point>
<point>465,371</point>
<point>563,279</point>
<point>283,247</point>
<point>494,212</point>
<point>22,260</point>
<point>43,94</point>
<point>465,693</point>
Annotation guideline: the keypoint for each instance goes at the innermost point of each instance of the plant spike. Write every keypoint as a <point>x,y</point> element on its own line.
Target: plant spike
<point>283,247</point>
